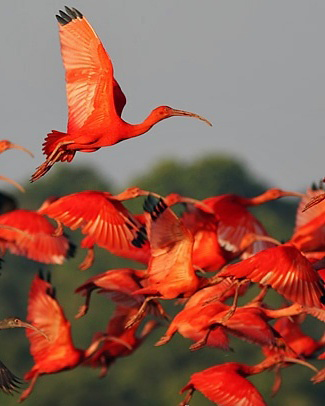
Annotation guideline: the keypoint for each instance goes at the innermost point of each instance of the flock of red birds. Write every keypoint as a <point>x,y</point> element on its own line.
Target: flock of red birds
<point>214,252</point>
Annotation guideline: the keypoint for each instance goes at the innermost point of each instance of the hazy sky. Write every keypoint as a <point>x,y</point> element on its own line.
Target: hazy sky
<point>256,69</point>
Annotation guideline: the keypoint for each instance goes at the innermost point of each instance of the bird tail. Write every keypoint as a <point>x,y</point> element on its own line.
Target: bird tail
<point>55,142</point>
<point>56,149</point>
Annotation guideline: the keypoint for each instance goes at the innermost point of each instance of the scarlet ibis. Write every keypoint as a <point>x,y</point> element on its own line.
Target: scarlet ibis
<point>104,220</point>
<point>28,233</point>
<point>226,384</point>
<point>119,285</point>
<point>58,353</point>
<point>235,221</point>
<point>301,343</point>
<point>95,99</point>
<point>200,219</point>
<point>170,272</point>
<point>8,381</point>
<point>192,322</point>
<point>286,270</point>
<point>119,341</point>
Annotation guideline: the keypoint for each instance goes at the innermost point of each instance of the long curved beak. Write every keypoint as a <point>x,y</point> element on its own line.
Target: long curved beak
<point>294,194</point>
<point>28,325</point>
<point>189,114</point>
<point>16,146</point>
<point>13,182</point>
<point>301,362</point>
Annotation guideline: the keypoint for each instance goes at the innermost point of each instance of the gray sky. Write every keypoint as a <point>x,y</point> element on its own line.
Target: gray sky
<point>254,68</point>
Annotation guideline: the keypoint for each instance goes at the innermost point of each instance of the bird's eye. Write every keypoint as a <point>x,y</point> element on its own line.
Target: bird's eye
<point>16,321</point>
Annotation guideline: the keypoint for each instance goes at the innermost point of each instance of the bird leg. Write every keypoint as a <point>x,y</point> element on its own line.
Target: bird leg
<point>141,312</point>
<point>258,299</point>
<point>84,308</point>
<point>28,391</point>
<point>50,161</point>
<point>188,397</point>
<point>233,308</point>
<point>202,342</point>
<point>159,311</point>
<point>88,261</point>
<point>165,339</point>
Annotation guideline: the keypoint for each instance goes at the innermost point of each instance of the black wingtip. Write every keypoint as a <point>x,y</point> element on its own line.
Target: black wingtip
<point>61,20</point>
<point>73,12</point>
<point>322,299</point>
<point>65,17</point>
<point>155,206</point>
<point>141,237</point>
<point>9,383</point>
<point>319,186</point>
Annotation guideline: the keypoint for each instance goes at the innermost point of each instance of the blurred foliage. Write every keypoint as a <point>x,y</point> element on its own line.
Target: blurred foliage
<point>152,375</point>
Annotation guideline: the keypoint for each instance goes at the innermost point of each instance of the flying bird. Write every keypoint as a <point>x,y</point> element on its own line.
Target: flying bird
<point>171,272</point>
<point>236,221</point>
<point>8,381</point>
<point>28,233</point>
<point>120,341</point>
<point>58,352</point>
<point>103,219</point>
<point>285,269</point>
<point>95,99</point>
<point>226,384</point>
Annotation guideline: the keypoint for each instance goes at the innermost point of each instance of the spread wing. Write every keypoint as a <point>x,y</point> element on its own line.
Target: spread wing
<point>171,248</point>
<point>31,235</point>
<point>99,216</point>
<point>235,222</point>
<point>45,313</point>
<point>286,270</point>
<point>225,388</point>
<point>93,95</point>
<point>9,383</point>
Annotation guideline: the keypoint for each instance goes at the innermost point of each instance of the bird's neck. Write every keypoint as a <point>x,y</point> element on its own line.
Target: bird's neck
<point>141,128</point>
<point>260,199</point>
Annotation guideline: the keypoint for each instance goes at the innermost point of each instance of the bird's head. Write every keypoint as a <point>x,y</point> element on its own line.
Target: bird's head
<point>13,322</point>
<point>163,112</point>
<point>131,193</point>
<point>276,193</point>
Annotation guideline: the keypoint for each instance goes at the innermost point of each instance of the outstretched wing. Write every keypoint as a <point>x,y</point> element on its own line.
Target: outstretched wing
<point>93,94</point>
<point>30,234</point>
<point>99,216</point>
<point>45,313</point>
<point>9,383</point>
